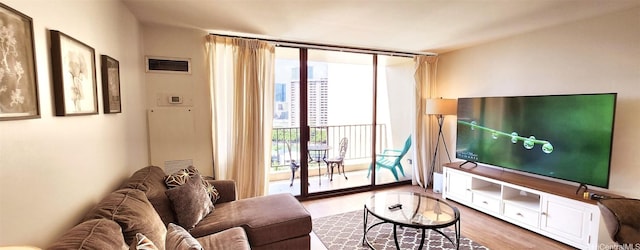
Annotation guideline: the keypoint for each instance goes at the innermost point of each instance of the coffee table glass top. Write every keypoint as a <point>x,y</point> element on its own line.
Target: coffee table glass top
<point>417,209</point>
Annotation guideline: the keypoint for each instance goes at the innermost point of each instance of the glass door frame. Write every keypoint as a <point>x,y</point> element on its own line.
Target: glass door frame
<point>305,134</point>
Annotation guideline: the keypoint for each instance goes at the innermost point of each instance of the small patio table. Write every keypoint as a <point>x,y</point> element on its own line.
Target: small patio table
<point>320,150</point>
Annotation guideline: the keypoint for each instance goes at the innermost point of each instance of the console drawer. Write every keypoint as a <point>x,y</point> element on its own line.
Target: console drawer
<point>486,203</point>
<point>521,214</point>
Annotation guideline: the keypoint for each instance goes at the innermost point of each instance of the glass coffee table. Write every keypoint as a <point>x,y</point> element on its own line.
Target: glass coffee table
<point>413,210</point>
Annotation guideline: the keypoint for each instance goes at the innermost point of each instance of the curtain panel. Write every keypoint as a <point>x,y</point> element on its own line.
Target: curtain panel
<point>241,85</point>
<point>424,129</point>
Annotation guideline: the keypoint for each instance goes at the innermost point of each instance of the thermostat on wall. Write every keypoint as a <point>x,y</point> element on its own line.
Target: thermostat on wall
<point>175,99</point>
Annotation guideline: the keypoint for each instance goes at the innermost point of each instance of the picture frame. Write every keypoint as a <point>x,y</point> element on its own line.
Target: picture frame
<point>18,80</point>
<point>110,72</point>
<point>74,76</point>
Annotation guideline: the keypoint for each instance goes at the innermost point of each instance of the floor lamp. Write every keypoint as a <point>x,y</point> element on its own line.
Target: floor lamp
<point>440,107</point>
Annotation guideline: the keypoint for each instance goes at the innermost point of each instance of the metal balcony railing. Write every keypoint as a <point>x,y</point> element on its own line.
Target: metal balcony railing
<point>359,147</point>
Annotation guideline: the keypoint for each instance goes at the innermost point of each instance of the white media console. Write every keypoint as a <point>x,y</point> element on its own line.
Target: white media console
<point>548,208</point>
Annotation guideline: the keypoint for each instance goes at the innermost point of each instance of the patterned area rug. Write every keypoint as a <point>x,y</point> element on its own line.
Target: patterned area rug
<point>344,231</point>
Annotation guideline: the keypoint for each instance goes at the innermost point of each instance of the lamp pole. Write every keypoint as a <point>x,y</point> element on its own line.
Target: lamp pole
<point>440,135</point>
<point>440,107</point>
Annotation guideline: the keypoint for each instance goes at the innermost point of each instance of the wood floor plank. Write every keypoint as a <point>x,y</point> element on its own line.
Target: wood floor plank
<point>480,227</point>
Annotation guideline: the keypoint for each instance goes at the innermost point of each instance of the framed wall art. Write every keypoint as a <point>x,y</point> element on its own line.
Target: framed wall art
<point>74,76</point>
<point>110,70</point>
<point>18,81</point>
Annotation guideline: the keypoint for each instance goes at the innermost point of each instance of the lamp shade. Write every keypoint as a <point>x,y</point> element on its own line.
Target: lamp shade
<point>442,106</point>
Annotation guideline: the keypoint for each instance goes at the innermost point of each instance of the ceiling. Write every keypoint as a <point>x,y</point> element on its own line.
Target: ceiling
<point>434,26</point>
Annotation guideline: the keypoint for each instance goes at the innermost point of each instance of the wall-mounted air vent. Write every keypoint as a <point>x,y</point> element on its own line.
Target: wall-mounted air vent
<point>168,65</point>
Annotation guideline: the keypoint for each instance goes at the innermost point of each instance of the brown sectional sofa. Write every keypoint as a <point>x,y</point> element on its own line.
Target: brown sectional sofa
<point>142,206</point>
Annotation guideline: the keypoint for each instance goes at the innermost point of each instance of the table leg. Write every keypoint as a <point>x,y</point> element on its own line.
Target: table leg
<point>422,239</point>
<point>364,226</point>
<point>395,236</point>
<point>458,234</point>
<point>319,176</point>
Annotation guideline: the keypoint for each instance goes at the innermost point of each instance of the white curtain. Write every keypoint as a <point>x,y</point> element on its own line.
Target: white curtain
<point>241,84</point>
<point>423,134</point>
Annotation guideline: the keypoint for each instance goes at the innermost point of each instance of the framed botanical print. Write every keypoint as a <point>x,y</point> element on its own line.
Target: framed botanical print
<point>110,69</point>
<point>18,81</point>
<point>74,76</point>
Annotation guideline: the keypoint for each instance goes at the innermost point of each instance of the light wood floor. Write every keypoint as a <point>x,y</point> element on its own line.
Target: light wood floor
<point>484,229</point>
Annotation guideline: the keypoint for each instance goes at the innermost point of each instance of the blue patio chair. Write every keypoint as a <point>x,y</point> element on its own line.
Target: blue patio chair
<point>391,159</point>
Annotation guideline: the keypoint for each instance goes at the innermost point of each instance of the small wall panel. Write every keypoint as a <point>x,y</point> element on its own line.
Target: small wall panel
<point>171,136</point>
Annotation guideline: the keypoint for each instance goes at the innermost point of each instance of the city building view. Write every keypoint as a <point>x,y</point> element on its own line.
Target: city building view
<point>287,94</point>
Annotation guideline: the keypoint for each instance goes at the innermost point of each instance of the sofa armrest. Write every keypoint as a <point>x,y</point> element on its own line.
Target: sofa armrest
<point>226,188</point>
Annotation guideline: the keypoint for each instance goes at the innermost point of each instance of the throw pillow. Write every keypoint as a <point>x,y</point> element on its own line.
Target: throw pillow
<point>134,213</point>
<point>181,176</point>
<point>178,238</point>
<point>190,202</point>
<point>143,243</point>
<point>92,234</point>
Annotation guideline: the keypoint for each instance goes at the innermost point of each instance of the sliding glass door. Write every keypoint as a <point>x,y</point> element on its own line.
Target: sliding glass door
<point>333,94</point>
<point>339,104</point>
<point>394,107</point>
<point>284,174</point>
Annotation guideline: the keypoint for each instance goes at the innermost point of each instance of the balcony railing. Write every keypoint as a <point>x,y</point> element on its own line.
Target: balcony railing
<point>359,147</point>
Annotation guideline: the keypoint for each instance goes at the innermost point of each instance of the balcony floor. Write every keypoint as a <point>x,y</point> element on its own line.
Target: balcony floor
<point>355,179</point>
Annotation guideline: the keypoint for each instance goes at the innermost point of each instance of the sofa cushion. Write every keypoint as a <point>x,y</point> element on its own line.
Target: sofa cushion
<point>265,219</point>
<point>181,176</point>
<point>178,238</point>
<point>151,181</point>
<point>142,243</point>
<point>133,212</point>
<point>92,234</point>
<point>233,238</point>
<point>190,202</point>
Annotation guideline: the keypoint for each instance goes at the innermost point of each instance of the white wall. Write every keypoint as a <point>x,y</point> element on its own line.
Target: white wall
<point>53,169</point>
<point>590,56</point>
<point>164,41</point>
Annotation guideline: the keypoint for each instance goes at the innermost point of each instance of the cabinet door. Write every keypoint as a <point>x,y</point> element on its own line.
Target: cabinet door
<point>458,186</point>
<point>569,219</point>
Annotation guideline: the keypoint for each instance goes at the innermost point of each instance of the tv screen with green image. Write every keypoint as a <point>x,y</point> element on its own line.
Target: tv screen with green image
<point>568,137</point>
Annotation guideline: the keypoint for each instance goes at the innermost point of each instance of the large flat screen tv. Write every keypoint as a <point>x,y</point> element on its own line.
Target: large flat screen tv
<point>568,137</point>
